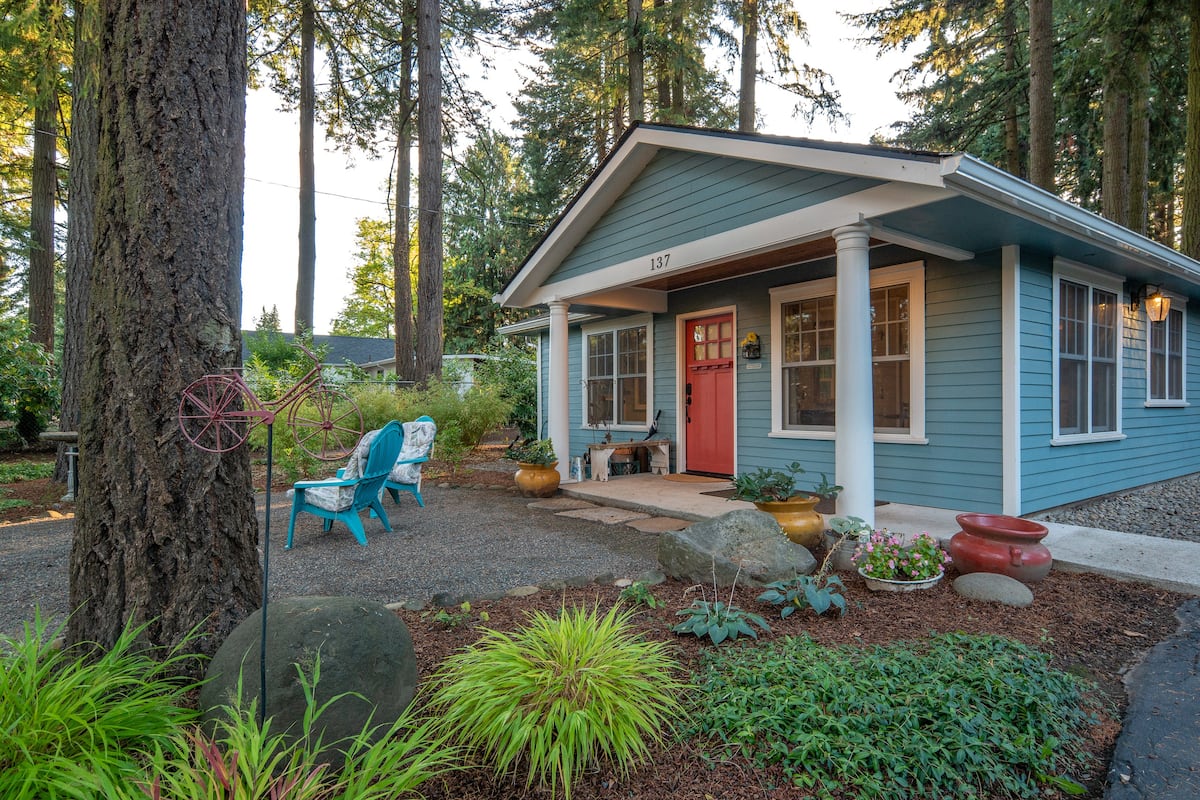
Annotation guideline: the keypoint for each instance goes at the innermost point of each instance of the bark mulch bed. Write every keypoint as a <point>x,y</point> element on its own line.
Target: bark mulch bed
<point>1092,626</point>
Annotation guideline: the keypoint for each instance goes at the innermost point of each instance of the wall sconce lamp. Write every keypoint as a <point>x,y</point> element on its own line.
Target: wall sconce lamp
<point>1158,305</point>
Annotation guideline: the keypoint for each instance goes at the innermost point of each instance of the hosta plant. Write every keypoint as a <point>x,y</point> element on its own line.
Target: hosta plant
<point>559,694</point>
<point>718,621</point>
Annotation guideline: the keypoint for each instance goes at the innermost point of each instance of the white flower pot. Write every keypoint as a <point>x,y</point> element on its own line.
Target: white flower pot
<point>883,585</point>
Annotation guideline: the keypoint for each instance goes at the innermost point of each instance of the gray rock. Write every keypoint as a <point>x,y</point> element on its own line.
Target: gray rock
<point>715,549</point>
<point>363,648</point>
<point>994,588</point>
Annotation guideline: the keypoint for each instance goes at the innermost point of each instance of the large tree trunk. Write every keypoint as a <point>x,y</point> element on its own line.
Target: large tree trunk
<point>662,64</point>
<point>637,63</point>
<point>1041,93</point>
<point>749,65</point>
<point>1114,179</point>
<point>306,276</point>
<point>81,225</point>
<point>429,177</point>
<point>1191,161</point>
<point>1137,215</point>
<point>678,106</point>
<point>1012,123</point>
<point>45,187</point>
<point>165,533</point>
<point>401,242</point>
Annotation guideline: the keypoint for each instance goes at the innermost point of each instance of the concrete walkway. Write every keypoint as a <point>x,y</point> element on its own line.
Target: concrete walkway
<point>1156,755</point>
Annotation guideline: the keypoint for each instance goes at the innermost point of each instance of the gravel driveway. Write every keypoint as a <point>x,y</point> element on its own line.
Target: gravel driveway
<point>465,543</point>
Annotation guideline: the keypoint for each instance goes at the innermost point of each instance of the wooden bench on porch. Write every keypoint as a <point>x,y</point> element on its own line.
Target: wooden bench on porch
<point>600,453</point>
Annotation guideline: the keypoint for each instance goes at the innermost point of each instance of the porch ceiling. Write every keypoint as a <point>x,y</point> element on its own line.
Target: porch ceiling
<point>736,267</point>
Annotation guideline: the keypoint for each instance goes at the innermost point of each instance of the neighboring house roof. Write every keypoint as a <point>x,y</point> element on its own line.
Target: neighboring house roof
<point>340,349</point>
<point>786,195</point>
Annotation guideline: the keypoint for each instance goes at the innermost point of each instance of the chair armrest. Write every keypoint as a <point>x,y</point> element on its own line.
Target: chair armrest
<point>329,482</point>
<point>420,460</point>
<point>341,472</point>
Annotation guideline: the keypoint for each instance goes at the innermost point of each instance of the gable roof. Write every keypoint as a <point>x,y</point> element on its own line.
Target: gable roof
<point>355,349</point>
<point>639,205</point>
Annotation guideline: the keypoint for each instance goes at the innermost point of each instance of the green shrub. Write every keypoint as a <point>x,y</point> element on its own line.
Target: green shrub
<point>15,471</point>
<point>76,721</point>
<point>514,371</point>
<point>558,694</point>
<point>953,716</point>
<point>28,380</point>
<point>243,760</point>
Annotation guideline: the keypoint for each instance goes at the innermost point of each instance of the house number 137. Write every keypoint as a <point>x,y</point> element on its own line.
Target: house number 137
<point>659,262</point>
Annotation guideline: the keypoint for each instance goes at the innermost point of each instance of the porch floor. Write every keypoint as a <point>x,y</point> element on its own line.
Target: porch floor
<point>1169,563</point>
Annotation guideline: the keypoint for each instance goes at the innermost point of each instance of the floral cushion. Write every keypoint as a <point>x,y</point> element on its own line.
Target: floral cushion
<point>340,498</point>
<point>418,441</point>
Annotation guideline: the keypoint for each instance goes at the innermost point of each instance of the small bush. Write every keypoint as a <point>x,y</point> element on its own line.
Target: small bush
<point>76,721</point>
<point>558,694</point>
<point>16,471</point>
<point>28,380</point>
<point>953,716</point>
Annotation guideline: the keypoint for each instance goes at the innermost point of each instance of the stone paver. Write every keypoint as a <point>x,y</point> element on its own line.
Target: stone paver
<point>607,515</point>
<point>561,504</point>
<point>658,524</point>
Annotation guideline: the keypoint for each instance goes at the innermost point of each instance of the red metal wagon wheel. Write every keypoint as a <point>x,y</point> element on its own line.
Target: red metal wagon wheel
<point>326,423</point>
<point>210,413</point>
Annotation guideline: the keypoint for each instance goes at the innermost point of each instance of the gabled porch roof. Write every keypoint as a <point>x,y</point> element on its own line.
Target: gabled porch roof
<point>950,205</point>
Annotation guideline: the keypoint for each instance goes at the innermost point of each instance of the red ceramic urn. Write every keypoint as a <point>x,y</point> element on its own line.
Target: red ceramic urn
<point>996,543</point>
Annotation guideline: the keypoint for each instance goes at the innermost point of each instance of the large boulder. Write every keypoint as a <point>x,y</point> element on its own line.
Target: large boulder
<point>363,648</point>
<point>744,545</point>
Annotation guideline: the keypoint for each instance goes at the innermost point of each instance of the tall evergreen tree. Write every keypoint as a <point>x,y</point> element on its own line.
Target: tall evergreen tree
<point>429,182</point>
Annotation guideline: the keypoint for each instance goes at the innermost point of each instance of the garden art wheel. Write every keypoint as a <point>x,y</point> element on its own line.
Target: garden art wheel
<point>326,423</point>
<point>211,415</point>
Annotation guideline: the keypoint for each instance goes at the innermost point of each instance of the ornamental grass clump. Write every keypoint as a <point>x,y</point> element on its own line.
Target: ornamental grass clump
<point>954,715</point>
<point>559,693</point>
<point>76,719</point>
<point>886,557</point>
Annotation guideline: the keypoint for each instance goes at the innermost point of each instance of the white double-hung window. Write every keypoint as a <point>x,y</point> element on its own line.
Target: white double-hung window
<point>1166,356</point>
<point>1087,354</point>
<point>616,357</point>
<point>803,358</point>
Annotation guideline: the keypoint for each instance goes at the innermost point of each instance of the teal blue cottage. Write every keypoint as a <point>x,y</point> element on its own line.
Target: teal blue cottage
<point>922,327</point>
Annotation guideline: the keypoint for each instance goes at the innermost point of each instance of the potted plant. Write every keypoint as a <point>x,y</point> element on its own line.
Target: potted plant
<point>774,491</point>
<point>537,475</point>
<point>888,564</point>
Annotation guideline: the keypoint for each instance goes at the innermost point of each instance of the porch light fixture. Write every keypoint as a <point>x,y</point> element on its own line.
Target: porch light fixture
<point>1158,305</point>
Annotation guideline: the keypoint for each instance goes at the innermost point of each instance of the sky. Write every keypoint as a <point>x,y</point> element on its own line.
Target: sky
<point>353,186</point>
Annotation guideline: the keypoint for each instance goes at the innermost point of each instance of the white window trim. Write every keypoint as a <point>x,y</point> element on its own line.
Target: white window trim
<point>614,325</point>
<point>912,273</point>
<point>1080,273</point>
<point>1178,303</point>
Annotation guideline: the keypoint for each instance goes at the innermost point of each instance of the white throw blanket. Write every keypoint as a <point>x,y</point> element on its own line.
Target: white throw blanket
<point>418,440</point>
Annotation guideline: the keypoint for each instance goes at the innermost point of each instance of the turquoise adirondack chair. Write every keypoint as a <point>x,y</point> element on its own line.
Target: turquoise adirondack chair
<point>418,447</point>
<point>357,487</point>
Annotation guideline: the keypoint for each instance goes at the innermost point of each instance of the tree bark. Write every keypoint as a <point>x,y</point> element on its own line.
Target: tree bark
<point>1114,179</point>
<point>1012,124</point>
<point>637,63</point>
<point>1191,162</point>
<point>662,65</point>
<point>306,276</point>
<point>165,533</point>
<point>401,242</point>
<point>749,66</point>
<point>429,177</point>
<point>81,225</point>
<point>1041,94</point>
<point>44,187</point>
<point>1137,215</point>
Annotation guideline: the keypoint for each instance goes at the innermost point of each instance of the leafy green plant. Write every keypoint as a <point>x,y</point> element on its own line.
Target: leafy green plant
<point>452,619</point>
<point>887,557</point>
<point>952,716</point>
<point>718,621</point>
<point>74,719</point>
<point>818,591</point>
<point>28,379</point>
<point>535,451</point>
<point>558,694</point>
<point>765,485</point>
<point>639,593</point>
<point>16,471</point>
<point>514,372</point>
<point>242,760</point>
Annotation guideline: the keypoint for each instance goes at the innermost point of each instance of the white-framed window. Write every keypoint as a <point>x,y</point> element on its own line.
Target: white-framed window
<point>616,374</point>
<point>1087,354</point>
<point>803,362</point>
<point>1166,357</point>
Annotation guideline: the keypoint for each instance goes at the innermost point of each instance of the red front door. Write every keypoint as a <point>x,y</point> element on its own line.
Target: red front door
<point>708,394</point>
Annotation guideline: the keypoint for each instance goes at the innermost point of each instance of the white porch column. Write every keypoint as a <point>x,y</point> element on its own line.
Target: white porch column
<point>854,448</point>
<point>559,408</point>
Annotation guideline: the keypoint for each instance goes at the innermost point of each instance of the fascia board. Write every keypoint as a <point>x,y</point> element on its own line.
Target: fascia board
<point>802,225</point>
<point>987,184</point>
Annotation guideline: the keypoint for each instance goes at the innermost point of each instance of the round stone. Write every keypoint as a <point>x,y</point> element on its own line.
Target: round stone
<point>993,587</point>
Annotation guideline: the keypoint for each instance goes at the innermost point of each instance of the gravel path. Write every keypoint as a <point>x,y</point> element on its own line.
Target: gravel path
<point>466,543</point>
<point>1170,510</point>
